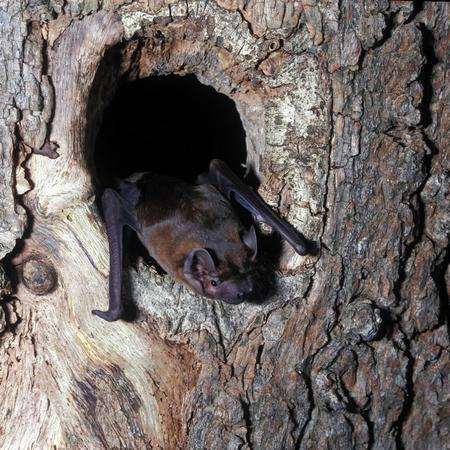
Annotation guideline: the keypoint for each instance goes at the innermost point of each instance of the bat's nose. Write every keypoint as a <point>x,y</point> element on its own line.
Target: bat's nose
<point>243,294</point>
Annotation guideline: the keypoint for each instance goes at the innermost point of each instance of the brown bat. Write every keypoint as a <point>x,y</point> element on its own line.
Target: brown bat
<point>192,231</point>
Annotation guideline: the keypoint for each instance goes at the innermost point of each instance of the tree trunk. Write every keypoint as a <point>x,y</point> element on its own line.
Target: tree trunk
<point>345,109</point>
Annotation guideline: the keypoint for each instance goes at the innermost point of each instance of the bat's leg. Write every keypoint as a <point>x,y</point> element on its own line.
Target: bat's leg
<point>116,216</point>
<point>221,176</point>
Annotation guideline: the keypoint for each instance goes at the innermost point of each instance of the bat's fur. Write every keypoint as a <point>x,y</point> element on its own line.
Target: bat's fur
<point>192,231</point>
<point>178,217</point>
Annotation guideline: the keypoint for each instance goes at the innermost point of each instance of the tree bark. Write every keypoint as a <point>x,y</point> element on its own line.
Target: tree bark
<point>345,109</point>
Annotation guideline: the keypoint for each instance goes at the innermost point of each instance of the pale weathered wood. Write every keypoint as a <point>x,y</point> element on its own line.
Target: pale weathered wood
<point>345,108</point>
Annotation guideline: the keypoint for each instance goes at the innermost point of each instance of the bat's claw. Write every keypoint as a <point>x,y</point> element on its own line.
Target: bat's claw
<point>313,248</point>
<point>48,149</point>
<point>110,315</point>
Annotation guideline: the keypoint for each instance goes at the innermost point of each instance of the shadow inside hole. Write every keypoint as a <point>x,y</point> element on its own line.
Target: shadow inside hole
<point>171,125</point>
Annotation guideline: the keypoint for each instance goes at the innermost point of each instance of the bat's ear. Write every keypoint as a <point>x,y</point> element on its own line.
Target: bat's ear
<point>197,265</point>
<point>249,239</point>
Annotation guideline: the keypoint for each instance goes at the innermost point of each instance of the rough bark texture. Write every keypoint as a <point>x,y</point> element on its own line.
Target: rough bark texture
<point>345,108</point>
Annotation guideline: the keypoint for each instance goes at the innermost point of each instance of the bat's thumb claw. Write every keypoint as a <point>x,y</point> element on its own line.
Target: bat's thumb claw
<point>308,248</point>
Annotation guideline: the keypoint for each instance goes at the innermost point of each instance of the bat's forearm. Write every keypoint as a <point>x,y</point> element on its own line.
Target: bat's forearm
<point>230,185</point>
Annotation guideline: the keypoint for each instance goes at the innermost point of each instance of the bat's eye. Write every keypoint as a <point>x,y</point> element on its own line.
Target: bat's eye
<point>214,283</point>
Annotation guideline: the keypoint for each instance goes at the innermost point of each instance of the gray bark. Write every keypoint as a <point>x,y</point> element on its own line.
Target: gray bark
<point>345,108</point>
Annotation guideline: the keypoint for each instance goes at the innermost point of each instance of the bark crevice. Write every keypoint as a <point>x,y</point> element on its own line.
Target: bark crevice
<point>344,108</point>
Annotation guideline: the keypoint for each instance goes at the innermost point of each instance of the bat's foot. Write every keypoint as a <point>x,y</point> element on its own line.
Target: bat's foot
<point>48,149</point>
<point>110,315</point>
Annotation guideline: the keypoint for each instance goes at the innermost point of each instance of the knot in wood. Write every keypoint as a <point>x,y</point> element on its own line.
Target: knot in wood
<point>275,44</point>
<point>361,321</point>
<point>38,275</point>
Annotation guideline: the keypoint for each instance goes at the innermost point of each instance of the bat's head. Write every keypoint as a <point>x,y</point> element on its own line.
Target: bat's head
<point>227,275</point>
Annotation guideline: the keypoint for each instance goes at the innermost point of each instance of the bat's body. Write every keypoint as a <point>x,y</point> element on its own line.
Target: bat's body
<point>187,217</point>
<point>192,232</point>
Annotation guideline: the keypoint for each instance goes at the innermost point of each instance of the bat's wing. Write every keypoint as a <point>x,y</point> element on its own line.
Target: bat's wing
<point>224,179</point>
<point>117,212</point>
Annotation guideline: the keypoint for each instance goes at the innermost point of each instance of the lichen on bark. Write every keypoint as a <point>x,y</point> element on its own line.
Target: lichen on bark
<point>345,108</point>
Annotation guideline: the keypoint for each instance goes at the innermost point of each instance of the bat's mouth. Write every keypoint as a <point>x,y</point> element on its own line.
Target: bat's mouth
<point>233,301</point>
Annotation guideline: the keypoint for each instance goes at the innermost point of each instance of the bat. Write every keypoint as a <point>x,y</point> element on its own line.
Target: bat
<point>192,231</point>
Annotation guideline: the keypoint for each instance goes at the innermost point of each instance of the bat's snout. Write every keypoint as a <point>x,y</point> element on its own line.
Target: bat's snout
<point>243,293</point>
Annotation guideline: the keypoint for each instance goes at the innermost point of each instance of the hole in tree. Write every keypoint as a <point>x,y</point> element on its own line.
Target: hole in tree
<point>171,125</point>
